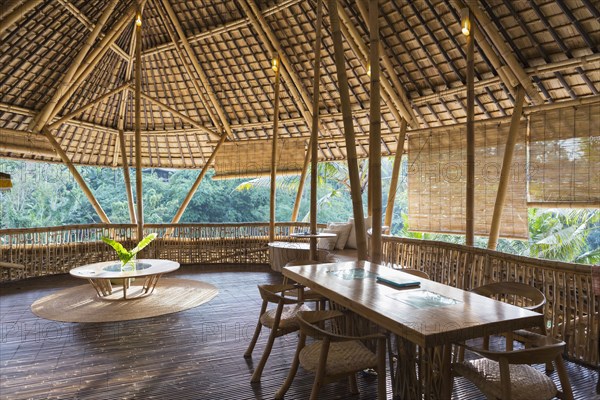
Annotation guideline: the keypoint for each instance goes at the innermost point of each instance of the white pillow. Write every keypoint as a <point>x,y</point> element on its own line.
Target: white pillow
<point>351,243</point>
<point>343,231</point>
<point>329,242</point>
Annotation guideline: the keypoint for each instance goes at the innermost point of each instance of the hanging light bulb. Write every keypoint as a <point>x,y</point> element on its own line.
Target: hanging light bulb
<point>5,181</point>
<point>138,20</point>
<point>369,69</point>
<point>275,64</point>
<point>465,21</point>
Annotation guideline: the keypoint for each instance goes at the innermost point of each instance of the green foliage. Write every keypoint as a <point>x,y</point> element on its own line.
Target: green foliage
<point>124,255</point>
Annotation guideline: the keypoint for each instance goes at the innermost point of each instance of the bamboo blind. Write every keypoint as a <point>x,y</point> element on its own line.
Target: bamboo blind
<point>437,180</point>
<point>564,155</point>
<point>253,158</point>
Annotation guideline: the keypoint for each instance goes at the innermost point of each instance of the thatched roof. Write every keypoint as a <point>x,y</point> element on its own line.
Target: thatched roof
<point>554,44</point>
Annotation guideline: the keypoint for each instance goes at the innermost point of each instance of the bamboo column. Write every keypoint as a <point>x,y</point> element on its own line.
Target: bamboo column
<point>86,190</point>
<point>314,161</point>
<point>276,67</point>
<point>375,134</point>
<point>126,177</point>
<point>470,209</point>
<point>506,165</point>
<point>138,125</point>
<point>389,210</point>
<point>359,221</point>
<point>296,208</point>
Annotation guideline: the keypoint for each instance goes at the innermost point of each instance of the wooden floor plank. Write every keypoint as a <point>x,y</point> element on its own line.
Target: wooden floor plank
<point>193,354</point>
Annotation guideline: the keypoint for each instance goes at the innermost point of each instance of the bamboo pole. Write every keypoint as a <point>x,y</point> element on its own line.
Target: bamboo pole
<point>196,184</point>
<point>389,210</point>
<point>511,140</point>
<point>138,125</point>
<point>184,117</point>
<point>375,134</point>
<point>298,199</point>
<point>505,52</point>
<point>88,67</point>
<point>127,179</point>
<point>277,68</point>
<point>203,78</point>
<point>68,80</point>
<point>359,221</point>
<point>470,194</point>
<point>9,19</point>
<point>86,190</point>
<point>89,105</point>
<point>394,86</point>
<point>314,163</point>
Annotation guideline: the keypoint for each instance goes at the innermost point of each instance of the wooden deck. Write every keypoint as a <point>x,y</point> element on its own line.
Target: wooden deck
<point>194,354</point>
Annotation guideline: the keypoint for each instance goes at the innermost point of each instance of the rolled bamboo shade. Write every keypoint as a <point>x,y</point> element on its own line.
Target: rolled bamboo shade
<point>437,180</point>
<point>564,154</point>
<point>249,159</point>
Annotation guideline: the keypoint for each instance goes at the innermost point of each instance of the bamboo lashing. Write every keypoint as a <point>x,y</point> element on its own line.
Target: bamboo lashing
<point>511,140</point>
<point>273,188</point>
<point>355,190</point>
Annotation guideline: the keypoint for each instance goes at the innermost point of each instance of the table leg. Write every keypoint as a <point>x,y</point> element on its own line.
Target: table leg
<point>102,286</point>
<point>150,283</point>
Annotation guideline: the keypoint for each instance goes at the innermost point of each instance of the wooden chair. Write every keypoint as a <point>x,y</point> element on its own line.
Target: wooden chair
<point>506,374</point>
<point>415,272</point>
<point>334,356</point>
<point>309,294</point>
<point>281,320</point>
<point>518,294</point>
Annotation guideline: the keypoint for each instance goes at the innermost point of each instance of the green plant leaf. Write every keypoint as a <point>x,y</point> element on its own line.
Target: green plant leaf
<point>143,243</point>
<point>122,253</point>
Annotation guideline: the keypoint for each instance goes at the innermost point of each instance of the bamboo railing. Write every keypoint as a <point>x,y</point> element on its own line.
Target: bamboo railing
<point>571,311</point>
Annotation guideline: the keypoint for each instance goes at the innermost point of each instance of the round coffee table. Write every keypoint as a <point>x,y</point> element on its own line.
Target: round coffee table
<point>100,275</point>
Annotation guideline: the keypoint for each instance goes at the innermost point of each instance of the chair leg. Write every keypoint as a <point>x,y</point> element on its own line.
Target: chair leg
<point>250,348</point>
<point>263,360</point>
<point>381,389</point>
<point>293,369</point>
<point>321,369</point>
<point>352,384</point>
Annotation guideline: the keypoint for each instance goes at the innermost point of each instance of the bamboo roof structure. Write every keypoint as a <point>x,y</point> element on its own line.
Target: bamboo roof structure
<point>67,69</point>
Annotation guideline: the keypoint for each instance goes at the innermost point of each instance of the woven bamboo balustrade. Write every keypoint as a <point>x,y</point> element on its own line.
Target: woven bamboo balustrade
<point>55,250</point>
<point>571,310</point>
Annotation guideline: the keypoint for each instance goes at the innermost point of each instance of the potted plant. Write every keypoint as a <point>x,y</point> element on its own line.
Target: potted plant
<point>128,257</point>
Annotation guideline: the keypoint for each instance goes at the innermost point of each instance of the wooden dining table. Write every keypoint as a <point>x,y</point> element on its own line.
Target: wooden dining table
<point>432,316</point>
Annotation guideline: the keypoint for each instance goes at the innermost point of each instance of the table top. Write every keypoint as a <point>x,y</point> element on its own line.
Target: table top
<point>431,314</point>
<point>111,269</point>
<point>309,235</point>
<point>290,245</point>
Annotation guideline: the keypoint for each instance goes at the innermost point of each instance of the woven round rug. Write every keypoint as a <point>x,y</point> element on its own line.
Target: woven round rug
<point>82,304</point>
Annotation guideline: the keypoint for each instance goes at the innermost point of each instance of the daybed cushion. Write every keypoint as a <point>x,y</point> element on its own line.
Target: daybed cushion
<point>329,242</point>
<point>351,243</point>
<point>342,229</point>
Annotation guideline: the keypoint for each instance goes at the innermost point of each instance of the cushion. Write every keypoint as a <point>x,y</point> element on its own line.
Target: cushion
<point>342,229</point>
<point>327,243</point>
<point>527,383</point>
<point>351,243</point>
<point>343,357</point>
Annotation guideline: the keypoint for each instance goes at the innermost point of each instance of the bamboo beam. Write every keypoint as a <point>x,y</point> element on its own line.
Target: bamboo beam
<point>89,105</point>
<point>86,190</point>
<point>314,134</point>
<point>375,134</point>
<point>470,194</point>
<point>395,86</point>
<point>221,29</point>
<point>85,21</point>
<point>274,157</point>
<point>505,52</point>
<point>68,79</point>
<point>389,210</point>
<point>127,179</point>
<point>181,115</point>
<point>138,125</point>
<point>298,199</point>
<point>198,69</point>
<point>511,140</point>
<point>9,19</point>
<point>359,221</point>
<point>197,182</point>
